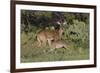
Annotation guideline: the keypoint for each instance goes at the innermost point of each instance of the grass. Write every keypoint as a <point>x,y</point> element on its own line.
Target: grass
<point>30,52</point>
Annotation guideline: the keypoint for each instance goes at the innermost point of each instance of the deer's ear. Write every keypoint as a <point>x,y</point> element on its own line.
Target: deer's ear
<point>65,23</point>
<point>58,23</point>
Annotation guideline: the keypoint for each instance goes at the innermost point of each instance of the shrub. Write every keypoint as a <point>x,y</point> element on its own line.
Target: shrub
<point>78,33</point>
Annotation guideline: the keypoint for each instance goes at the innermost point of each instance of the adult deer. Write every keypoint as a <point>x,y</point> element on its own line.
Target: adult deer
<point>47,36</point>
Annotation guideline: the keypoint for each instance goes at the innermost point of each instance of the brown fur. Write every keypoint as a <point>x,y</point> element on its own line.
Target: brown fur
<point>48,36</point>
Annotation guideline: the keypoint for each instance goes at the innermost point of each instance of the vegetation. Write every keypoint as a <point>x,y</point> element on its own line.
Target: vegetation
<point>76,33</point>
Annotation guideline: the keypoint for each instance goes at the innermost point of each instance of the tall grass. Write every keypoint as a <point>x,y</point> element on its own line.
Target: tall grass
<point>30,52</point>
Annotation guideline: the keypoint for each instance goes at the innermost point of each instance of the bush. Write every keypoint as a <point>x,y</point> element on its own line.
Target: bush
<point>78,33</point>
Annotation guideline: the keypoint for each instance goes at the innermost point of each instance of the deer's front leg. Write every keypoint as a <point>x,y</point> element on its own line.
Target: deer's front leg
<point>49,42</point>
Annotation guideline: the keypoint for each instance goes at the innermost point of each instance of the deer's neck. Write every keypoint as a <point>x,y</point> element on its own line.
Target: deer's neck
<point>60,34</point>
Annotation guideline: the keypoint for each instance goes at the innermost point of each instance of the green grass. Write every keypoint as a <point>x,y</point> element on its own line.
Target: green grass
<point>30,52</point>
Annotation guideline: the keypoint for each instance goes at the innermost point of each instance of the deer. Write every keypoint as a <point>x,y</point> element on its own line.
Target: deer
<point>65,45</point>
<point>47,36</point>
<point>58,44</point>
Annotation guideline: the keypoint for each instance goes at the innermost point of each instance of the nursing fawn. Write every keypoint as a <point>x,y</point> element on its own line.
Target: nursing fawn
<point>58,44</point>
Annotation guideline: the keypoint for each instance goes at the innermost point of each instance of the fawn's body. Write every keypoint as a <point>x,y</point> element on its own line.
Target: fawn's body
<point>59,44</point>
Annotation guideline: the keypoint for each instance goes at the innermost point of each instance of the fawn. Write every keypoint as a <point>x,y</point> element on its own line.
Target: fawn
<point>59,44</point>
